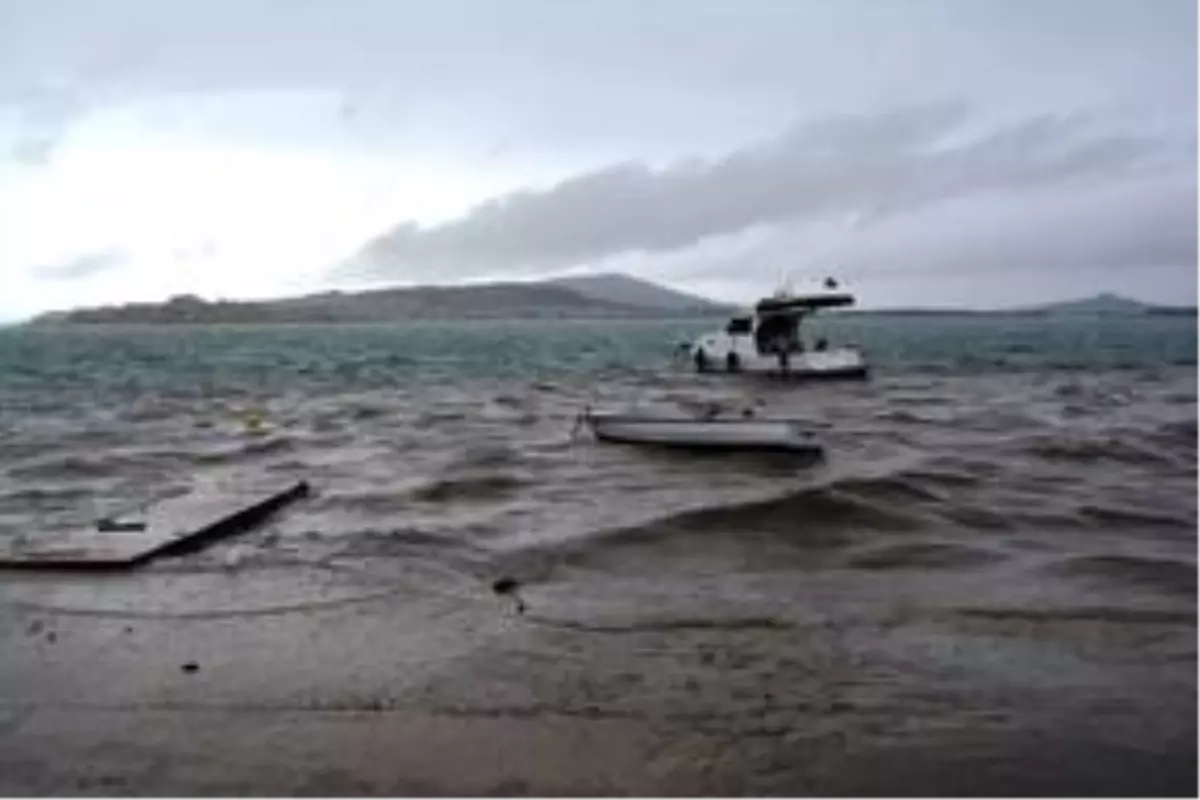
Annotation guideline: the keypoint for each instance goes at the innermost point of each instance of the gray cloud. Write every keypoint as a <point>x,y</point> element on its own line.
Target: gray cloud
<point>1136,238</point>
<point>42,116</point>
<point>692,75</point>
<point>872,166</point>
<point>1129,224</point>
<point>84,266</point>
<point>616,94</point>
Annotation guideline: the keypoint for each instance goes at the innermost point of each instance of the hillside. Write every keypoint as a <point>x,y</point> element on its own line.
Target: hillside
<point>1100,305</point>
<point>495,300</point>
<point>1105,303</point>
<point>610,296</point>
<point>630,291</point>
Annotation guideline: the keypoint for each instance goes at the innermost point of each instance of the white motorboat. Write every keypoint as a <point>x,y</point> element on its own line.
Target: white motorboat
<point>767,341</point>
<point>713,433</point>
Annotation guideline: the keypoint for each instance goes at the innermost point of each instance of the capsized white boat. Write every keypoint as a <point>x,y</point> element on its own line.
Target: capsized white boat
<point>713,433</point>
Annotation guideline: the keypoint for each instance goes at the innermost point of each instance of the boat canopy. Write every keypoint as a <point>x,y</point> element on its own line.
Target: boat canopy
<point>803,303</point>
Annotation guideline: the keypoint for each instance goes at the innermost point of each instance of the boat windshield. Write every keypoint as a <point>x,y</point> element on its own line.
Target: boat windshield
<point>739,326</point>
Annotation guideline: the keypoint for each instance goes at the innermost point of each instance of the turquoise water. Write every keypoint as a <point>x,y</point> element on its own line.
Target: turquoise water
<point>220,360</point>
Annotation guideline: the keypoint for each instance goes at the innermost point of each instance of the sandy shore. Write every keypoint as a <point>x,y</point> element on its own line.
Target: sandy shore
<point>193,699</point>
<point>72,751</point>
<point>216,683</point>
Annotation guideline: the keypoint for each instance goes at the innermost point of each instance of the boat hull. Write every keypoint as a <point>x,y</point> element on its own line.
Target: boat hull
<point>840,363</point>
<point>721,434</point>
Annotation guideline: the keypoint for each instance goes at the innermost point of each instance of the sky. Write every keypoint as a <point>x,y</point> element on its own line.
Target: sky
<point>975,153</point>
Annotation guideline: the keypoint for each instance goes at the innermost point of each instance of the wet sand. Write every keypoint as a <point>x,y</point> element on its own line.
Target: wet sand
<point>361,693</point>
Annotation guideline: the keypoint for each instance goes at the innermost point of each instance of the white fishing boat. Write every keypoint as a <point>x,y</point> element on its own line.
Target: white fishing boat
<point>711,433</point>
<point>767,341</point>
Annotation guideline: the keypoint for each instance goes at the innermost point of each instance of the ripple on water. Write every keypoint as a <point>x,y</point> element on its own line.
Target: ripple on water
<point>1168,576</point>
<point>924,555</point>
<point>1093,449</point>
<point>469,488</point>
<point>252,447</point>
<point>1118,518</point>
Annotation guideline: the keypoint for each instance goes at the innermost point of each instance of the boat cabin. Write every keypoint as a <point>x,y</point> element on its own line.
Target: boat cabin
<point>775,322</point>
<point>766,340</point>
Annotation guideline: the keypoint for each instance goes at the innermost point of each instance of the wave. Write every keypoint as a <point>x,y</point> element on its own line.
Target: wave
<point>429,419</point>
<point>1112,449</point>
<point>949,478</point>
<point>949,495</point>
<point>39,496</point>
<point>1111,614</point>
<point>812,519</point>
<point>291,465</point>
<point>486,455</point>
<point>1181,434</point>
<point>903,417</point>
<point>253,448</point>
<point>923,555</point>
<point>1187,398</point>
<point>1122,518</point>
<point>850,503</point>
<point>362,413</point>
<point>370,502</point>
<point>471,487</point>
<point>398,541</point>
<point>669,625</point>
<point>104,465</point>
<point>1170,576</point>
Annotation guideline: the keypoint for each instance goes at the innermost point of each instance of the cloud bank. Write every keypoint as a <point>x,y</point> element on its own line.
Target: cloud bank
<point>869,168</point>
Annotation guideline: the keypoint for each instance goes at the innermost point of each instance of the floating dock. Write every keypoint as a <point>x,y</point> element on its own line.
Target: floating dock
<point>175,526</point>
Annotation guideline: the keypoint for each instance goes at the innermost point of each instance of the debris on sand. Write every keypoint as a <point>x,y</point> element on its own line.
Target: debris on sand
<point>510,586</point>
<point>181,524</point>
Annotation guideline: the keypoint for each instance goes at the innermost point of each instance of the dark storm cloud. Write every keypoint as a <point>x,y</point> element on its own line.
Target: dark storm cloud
<point>1131,225</point>
<point>871,165</point>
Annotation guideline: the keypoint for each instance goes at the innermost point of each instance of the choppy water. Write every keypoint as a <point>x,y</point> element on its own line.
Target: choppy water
<point>1008,507</point>
<point>464,429</point>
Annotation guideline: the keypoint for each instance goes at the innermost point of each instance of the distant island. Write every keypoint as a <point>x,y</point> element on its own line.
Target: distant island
<point>607,296</point>
<point>1104,304</point>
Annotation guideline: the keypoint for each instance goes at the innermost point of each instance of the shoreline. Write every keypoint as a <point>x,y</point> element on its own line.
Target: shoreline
<point>357,692</point>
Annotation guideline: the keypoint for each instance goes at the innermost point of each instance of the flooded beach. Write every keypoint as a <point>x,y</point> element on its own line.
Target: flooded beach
<point>988,585</point>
